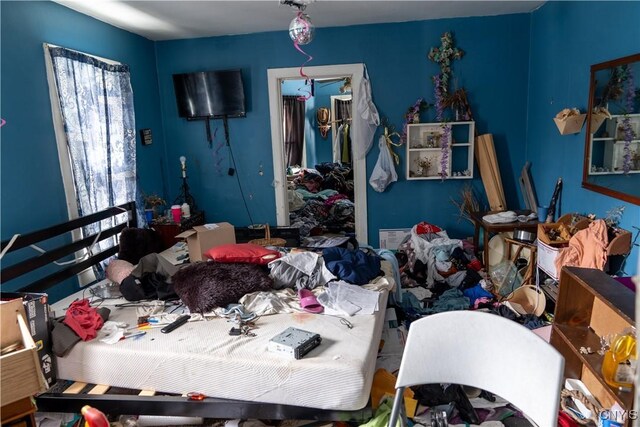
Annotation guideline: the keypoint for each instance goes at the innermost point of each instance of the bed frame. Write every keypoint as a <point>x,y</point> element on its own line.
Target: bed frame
<point>118,400</point>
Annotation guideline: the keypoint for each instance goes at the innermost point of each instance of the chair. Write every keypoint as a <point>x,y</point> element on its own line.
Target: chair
<point>486,351</point>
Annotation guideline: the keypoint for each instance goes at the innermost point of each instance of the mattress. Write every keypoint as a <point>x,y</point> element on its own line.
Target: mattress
<point>202,357</point>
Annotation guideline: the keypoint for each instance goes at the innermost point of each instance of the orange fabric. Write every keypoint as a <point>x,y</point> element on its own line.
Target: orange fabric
<point>587,248</point>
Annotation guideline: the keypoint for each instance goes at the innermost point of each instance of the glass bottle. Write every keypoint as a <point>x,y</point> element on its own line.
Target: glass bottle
<point>619,363</point>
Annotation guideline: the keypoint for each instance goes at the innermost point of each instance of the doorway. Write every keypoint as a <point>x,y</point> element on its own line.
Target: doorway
<point>275,78</point>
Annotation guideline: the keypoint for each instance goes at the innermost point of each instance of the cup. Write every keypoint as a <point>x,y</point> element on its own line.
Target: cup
<point>542,213</point>
<point>176,211</point>
<point>148,213</point>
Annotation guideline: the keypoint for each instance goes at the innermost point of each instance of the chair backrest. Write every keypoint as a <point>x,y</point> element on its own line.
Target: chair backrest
<point>489,352</point>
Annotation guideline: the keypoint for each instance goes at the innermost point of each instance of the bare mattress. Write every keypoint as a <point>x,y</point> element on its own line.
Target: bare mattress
<point>202,357</point>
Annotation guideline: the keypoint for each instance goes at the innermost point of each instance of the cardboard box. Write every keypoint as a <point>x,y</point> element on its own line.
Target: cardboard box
<point>554,234</point>
<point>390,238</point>
<point>546,259</point>
<point>20,371</point>
<point>201,238</point>
<point>37,311</point>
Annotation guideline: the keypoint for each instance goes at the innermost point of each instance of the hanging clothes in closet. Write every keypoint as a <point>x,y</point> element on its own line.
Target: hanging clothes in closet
<point>346,145</point>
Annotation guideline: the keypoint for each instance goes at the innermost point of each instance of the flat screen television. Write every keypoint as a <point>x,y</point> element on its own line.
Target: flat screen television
<point>210,94</point>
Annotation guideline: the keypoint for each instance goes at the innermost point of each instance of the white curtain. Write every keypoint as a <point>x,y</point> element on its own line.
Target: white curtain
<point>96,107</point>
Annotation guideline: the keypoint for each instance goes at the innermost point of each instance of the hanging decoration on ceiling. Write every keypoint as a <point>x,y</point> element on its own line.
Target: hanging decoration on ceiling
<point>301,31</point>
<point>443,55</point>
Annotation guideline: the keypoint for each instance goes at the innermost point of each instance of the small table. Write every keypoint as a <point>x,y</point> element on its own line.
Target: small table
<point>169,230</point>
<point>489,228</point>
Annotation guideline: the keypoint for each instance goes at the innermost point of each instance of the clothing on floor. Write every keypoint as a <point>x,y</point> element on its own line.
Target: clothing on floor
<point>450,300</point>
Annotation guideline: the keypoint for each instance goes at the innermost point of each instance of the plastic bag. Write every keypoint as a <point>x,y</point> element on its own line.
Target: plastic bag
<point>505,277</point>
<point>384,173</point>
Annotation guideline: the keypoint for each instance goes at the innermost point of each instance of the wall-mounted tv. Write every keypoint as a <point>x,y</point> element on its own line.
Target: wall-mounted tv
<point>210,94</point>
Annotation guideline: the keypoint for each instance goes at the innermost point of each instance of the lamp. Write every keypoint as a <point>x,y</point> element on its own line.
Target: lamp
<point>185,196</point>
<point>322,117</point>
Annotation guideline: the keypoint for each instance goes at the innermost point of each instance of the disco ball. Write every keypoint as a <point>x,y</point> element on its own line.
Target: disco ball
<point>301,29</point>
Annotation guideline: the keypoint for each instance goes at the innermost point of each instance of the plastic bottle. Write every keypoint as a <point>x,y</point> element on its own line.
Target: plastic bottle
<point>619,363</point>
<point>186,210</point>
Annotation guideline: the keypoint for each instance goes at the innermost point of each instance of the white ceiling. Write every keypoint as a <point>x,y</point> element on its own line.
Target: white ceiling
<point>168,20</point>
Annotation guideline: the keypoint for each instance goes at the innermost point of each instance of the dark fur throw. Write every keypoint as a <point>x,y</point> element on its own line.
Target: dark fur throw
<point>205,285</point>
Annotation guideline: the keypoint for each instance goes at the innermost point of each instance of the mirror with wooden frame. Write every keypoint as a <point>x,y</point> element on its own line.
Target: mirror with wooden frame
<point>612,148</point>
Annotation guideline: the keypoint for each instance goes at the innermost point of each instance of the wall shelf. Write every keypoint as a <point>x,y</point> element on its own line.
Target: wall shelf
<point>607,146</point>
<point>424,142</point>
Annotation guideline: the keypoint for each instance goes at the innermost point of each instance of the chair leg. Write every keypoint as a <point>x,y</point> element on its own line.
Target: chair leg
<point>398,408</point>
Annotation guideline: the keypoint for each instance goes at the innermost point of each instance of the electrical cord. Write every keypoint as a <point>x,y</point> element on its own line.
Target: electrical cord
<point>235,169</point>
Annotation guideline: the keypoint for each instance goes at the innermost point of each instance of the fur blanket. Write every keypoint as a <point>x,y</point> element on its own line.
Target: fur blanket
<point>202,286</point>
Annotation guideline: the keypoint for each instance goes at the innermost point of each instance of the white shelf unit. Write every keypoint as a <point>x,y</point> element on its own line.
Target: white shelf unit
<point>424,145</point>
<point>607,146</point>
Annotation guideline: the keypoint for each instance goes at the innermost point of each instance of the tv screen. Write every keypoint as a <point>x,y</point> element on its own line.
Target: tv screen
<point>210,94</point>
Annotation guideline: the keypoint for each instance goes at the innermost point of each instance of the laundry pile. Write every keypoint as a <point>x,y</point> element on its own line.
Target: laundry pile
<point>321,199</point>
<point>442,274</point>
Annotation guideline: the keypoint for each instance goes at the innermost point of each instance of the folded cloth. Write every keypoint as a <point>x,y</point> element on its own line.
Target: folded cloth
<point>83,319</point>
<point>501,217</point>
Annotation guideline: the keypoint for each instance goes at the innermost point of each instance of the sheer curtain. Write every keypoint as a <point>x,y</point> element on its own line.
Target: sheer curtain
<point>293,126</point>
<point>96,107</point>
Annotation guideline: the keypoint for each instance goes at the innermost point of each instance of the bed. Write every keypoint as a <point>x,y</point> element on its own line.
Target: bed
<point>236,373</point>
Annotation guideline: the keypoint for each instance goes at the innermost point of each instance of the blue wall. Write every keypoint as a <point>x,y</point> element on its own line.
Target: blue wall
<point>494,71</point>
<point>566,39</point>
<point>519,70</point>
<point>32,189</point>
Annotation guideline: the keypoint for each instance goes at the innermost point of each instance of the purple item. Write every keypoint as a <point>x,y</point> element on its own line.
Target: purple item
<point>626,281</point>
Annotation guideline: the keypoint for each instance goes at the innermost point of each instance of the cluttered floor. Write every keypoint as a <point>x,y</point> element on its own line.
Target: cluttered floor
<point>436,274</point>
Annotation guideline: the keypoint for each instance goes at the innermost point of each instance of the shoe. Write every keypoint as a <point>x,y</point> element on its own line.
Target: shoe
<point>309,302</point>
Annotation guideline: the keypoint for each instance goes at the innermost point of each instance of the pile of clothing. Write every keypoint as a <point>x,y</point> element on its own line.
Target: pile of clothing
<point>321,199</point>
<point>440,273</point>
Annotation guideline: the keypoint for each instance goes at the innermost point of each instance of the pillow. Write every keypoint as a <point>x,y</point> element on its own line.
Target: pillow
<point>205,285</point>
<point>118,270</point>
<point>242,252</point>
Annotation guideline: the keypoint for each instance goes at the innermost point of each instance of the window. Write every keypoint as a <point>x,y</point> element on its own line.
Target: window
<point>92,105</point>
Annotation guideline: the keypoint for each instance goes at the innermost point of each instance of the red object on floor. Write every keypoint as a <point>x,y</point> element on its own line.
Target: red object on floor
<point>565,420</point>
<point>475,265</point>
<point>83,319</point>
<point>425,227</point>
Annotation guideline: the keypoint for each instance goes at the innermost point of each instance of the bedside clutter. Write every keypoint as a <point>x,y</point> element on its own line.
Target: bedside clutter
<point>169,230</point>
<point>579,241</point>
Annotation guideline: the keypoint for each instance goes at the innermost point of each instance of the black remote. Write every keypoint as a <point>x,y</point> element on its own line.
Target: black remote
<point>175,324</point>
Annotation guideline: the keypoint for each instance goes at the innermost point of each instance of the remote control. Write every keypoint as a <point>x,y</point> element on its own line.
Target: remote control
<point>175,324</point>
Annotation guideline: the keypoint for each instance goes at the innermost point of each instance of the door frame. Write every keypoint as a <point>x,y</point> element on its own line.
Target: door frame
<point>275,76</point>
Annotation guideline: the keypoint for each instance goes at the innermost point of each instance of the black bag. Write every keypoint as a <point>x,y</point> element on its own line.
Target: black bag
<point>149,287</point>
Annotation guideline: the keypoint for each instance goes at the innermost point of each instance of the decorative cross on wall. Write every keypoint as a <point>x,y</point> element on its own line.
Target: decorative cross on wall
<point>444,56</point>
